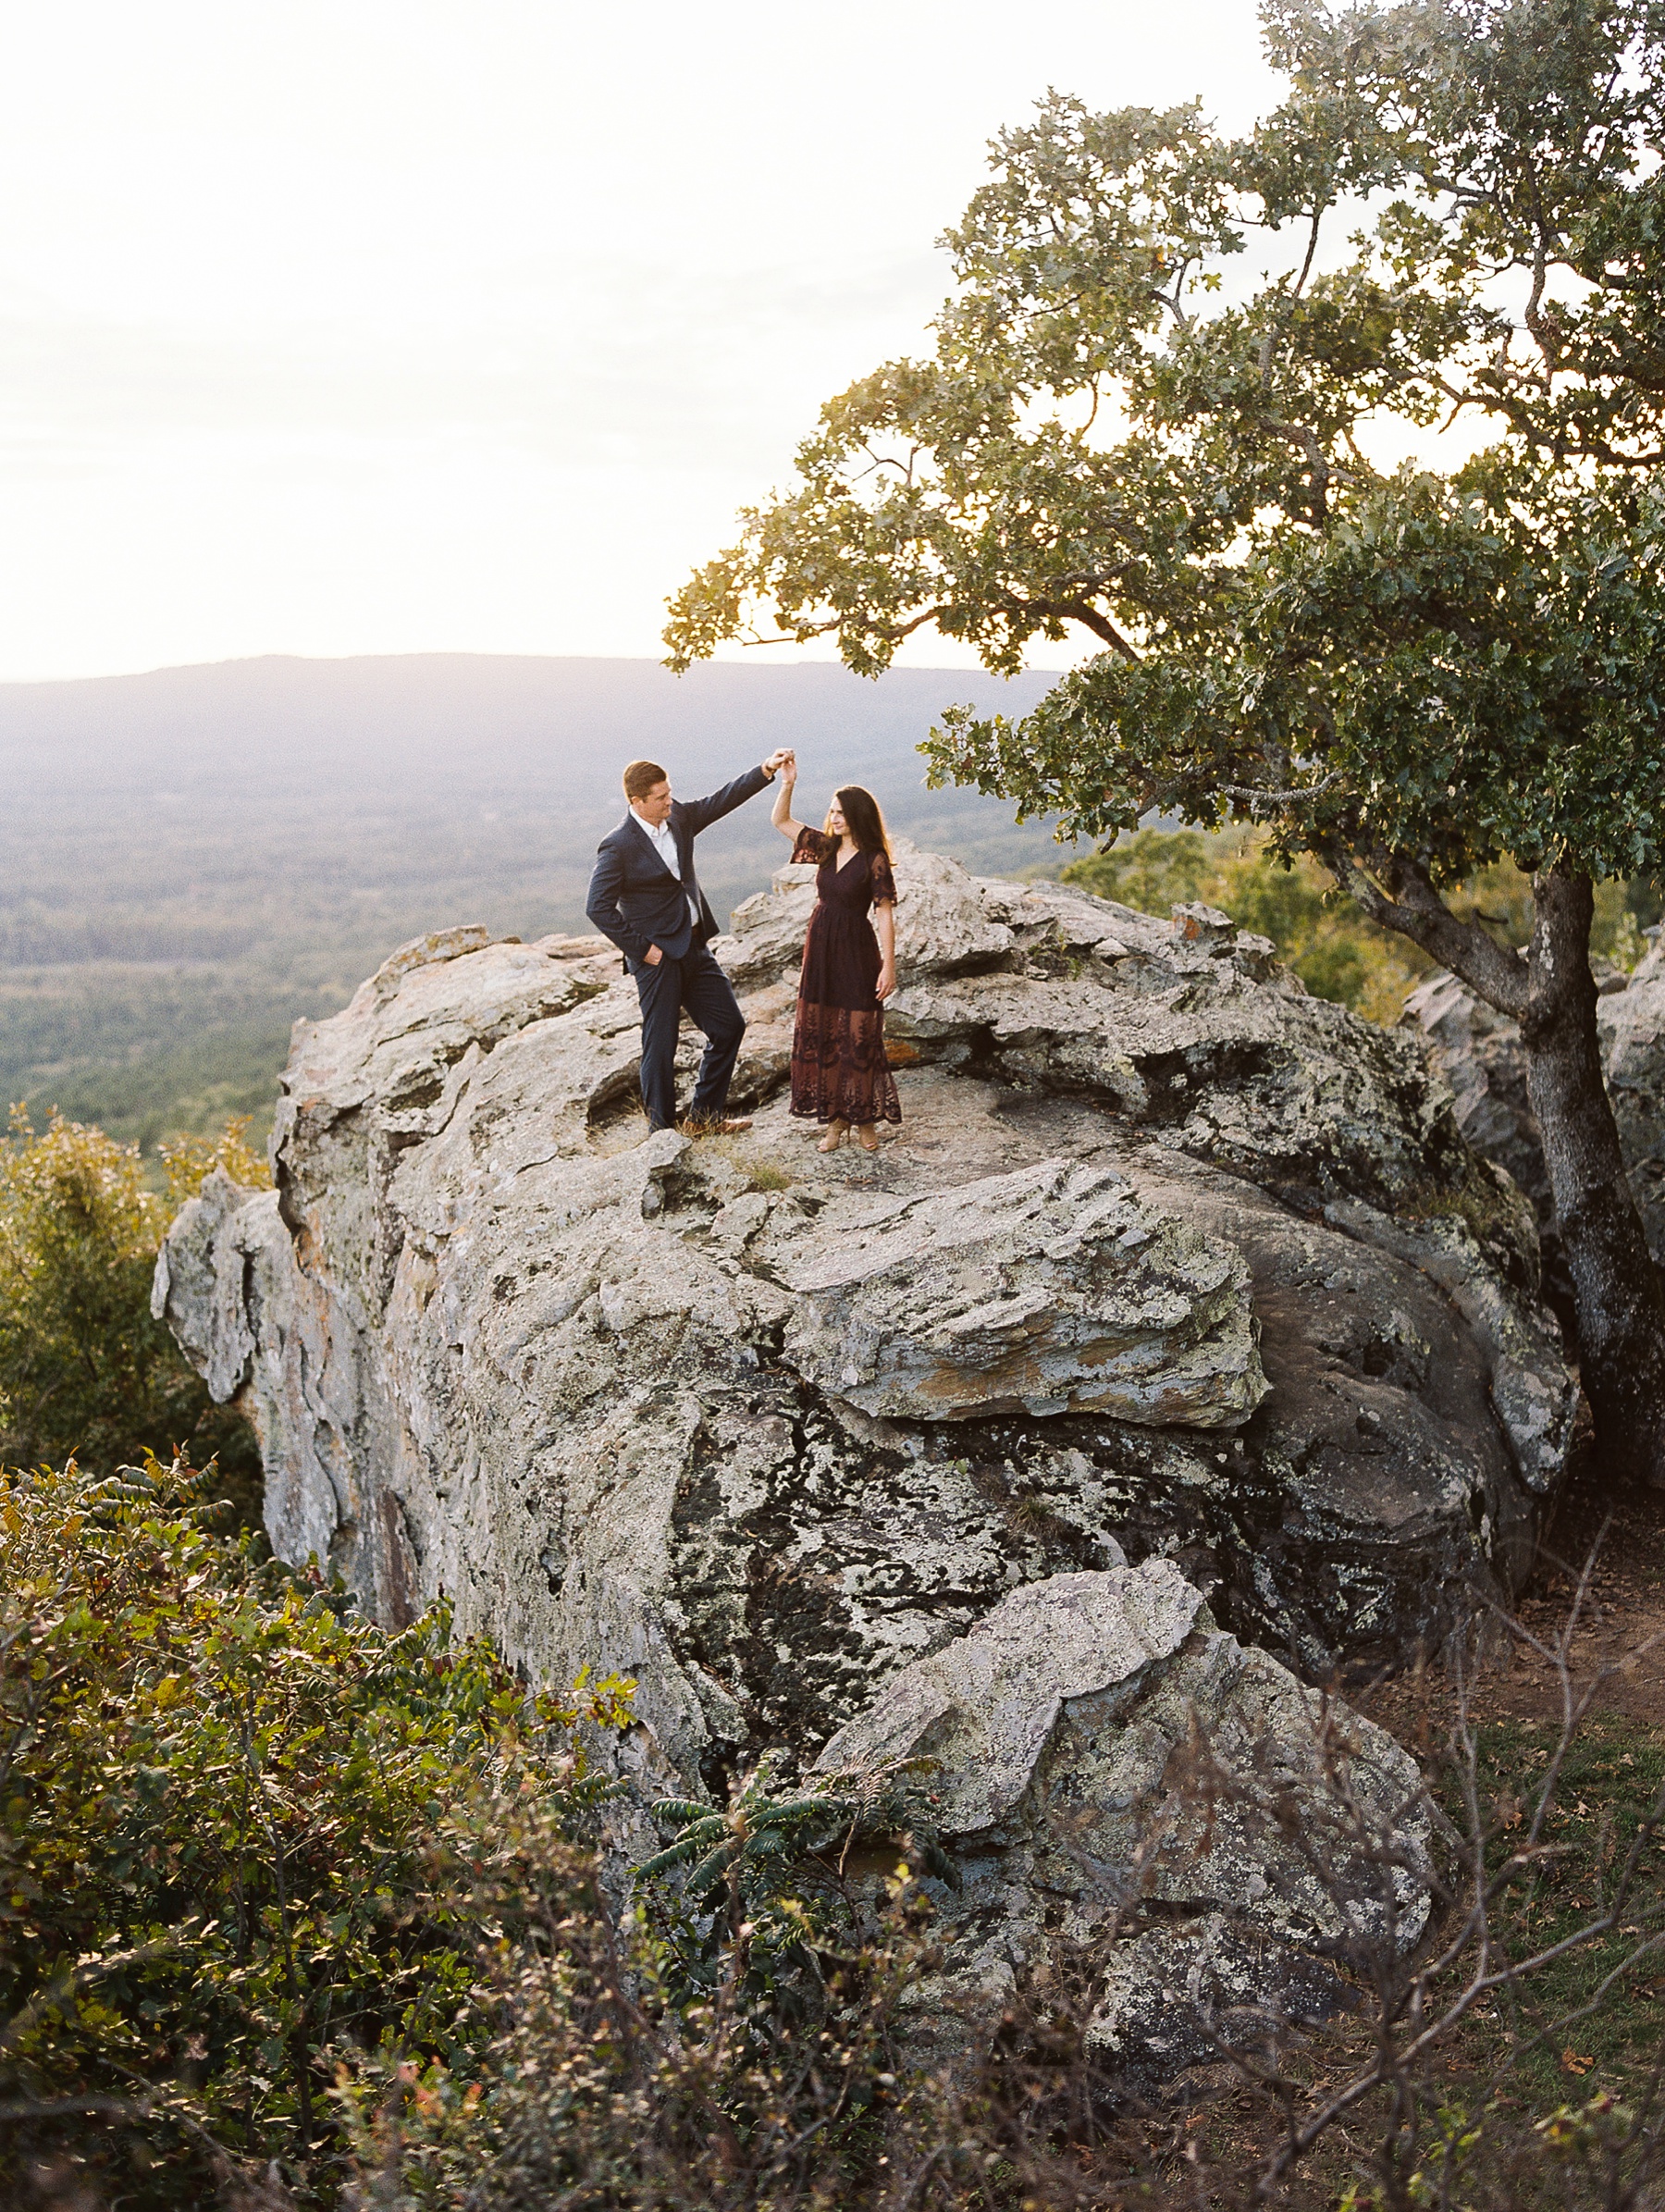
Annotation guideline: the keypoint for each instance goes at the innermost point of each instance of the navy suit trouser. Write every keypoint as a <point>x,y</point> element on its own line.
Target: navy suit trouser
<point>694,985</point>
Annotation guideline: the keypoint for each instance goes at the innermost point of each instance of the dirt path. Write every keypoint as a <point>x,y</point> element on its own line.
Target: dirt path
<point>1619,1634</point>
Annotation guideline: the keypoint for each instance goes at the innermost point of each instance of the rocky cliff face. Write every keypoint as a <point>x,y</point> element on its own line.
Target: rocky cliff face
<point>1168,1259</point>
<point>1178,1328</point>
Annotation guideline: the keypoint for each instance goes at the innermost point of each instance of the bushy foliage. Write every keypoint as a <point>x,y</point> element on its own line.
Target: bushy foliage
<point>296,1912</point>
<point>1323,936</point>
<point>86,1371</point>
<point>188,1161</point>
<point>610,2083</point>
<point>278,1885</point>
<point>219,1795</point>
<point>729,2042</point>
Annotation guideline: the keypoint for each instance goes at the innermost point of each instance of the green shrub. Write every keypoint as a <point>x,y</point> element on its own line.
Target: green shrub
<point>85,1372</point>
<point>605,2085</point>
<point>220,1797</point>
<point>188,1161</point>
<point>1152,871</point>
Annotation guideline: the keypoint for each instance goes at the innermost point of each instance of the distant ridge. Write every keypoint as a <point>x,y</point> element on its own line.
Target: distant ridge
<point>469,715</point>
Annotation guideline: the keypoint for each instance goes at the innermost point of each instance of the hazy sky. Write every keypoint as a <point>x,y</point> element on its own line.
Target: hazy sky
<point>383,326</point>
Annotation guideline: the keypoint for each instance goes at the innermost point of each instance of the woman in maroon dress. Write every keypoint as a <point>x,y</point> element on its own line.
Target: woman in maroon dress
<point>839,1071</point>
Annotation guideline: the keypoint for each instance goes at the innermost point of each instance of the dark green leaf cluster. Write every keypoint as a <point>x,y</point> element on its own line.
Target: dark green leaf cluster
<point>221,1796</point>
<point>1452,671</point>
<point>730,2047</point>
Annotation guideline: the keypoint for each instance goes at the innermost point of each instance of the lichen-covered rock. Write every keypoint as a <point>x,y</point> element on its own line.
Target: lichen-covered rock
<point>984,1708</point>
<point>1137,1802</point>
<point>1168,1258</point>
<point>1633,1038</point>
<point>1480,1054</point>
<point>1047,1291</point>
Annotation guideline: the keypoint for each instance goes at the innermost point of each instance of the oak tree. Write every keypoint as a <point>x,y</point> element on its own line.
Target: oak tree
<point>1343,439</point>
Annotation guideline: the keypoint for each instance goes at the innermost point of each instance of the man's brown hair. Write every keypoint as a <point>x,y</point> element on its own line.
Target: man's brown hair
<point>640,777</point>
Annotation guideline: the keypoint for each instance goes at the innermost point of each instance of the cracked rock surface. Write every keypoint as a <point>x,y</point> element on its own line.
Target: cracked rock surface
<point>1167,1259</point>
<point>1137,1803</point>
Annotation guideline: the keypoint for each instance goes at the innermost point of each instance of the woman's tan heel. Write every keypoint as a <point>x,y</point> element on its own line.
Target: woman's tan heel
<point>837,1132</point>
<point>866,1136</point>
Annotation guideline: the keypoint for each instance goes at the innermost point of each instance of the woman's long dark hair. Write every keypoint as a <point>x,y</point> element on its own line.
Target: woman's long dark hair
<point>865,822</point>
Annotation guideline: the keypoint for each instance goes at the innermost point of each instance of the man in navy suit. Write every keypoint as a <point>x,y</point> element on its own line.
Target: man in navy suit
<point>645,896</point>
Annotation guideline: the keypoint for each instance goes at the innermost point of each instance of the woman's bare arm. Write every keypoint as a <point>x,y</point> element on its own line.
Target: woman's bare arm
<point>885,928</point>
<point>783,816</point>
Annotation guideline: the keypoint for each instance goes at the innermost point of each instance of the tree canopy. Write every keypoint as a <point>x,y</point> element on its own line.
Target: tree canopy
<point>1170,400</point>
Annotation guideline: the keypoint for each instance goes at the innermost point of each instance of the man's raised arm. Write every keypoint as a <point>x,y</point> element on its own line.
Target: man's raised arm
<point>702,812</point>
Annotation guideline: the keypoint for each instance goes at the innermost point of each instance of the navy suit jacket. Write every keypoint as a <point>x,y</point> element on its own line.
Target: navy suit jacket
<point>633,897</point>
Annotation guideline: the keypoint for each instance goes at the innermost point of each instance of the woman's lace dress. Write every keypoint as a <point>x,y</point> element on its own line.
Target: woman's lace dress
<point>839,1071</point>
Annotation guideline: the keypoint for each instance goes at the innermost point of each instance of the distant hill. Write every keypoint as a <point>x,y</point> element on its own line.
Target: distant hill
<point>191,859</point>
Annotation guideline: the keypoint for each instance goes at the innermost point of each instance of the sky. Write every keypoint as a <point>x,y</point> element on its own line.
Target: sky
<point>372,328</point>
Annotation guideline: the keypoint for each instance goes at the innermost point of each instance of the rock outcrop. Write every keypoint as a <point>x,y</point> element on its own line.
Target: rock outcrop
<point>1168,1258</point>
<point>1141,1806</point>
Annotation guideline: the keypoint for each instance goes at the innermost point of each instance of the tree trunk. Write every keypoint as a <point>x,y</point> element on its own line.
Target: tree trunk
<point>1618,1296</point>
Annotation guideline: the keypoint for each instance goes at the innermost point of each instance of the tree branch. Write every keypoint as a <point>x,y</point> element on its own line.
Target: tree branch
<point>1278,799</point>
<point>1089,618</point>
<point>1499,976</point>
<point>93,2107</point>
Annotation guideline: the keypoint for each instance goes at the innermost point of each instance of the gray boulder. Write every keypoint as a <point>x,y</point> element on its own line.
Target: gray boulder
<point>1167,1260</point>
<point>1633,1041</point>
<point>984,1707</point>
<point>1139,1807</point>
<point>1047,1291</point>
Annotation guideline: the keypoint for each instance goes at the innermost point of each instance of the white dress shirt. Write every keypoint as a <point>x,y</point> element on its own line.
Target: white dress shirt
<point>664,844</point>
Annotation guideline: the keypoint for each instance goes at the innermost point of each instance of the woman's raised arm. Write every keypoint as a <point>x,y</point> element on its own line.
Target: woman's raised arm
<point>783,815</point>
